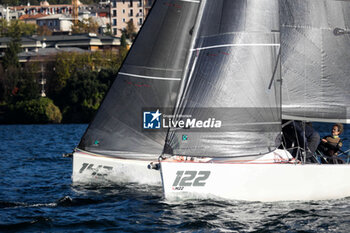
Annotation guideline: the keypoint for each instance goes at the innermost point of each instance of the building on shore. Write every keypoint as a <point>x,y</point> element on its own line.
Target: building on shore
<point>46,8</point>
<point>56,23</point>
<point>42,46</point>
<point>115,13</point>
<point>122,11</point>
<point>31,19</point>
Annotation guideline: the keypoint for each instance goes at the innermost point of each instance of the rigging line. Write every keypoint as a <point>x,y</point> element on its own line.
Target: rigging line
<point>180,94</point>
<point>258,123</point>
<point>232,45</point>
<point>185,79</point>
<point>287,123</point>
<point>149,77</point>
<point>194,1</point>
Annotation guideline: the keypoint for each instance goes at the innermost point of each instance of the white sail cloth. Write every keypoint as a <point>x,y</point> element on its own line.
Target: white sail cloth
<point>234,77</point>
<point>315,45</point>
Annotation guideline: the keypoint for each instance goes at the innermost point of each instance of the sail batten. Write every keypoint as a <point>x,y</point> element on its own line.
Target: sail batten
<point>232,45</point>
<point>148,77</point>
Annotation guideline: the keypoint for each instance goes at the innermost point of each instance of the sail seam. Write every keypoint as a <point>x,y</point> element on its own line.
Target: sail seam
<point>194,1</point>
<point>327,120</point>
<point>234,45</point>
<point>310,27</point>
<point>149,77</point>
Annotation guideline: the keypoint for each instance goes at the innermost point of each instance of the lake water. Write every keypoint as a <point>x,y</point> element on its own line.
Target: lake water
<point>36,195</point>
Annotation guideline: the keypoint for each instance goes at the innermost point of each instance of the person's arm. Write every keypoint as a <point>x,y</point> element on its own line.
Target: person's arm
<point>334,146</point>
<point>324,139</point>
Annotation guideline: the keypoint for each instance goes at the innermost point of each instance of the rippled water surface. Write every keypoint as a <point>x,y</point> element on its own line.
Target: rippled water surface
<point>36,195</point>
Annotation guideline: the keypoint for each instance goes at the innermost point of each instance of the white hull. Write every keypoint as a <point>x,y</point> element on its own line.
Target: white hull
<point>90,168</point>
<point>254,181</point>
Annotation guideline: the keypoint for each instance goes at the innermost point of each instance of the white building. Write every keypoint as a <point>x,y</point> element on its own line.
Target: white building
<point>8,13</point>
<point>124,10</point>
<point>57,22</point>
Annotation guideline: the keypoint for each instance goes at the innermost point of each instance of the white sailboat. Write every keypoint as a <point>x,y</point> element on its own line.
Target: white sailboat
<point>241,161</point>
<point>219,62</point>
<point>115,146</point>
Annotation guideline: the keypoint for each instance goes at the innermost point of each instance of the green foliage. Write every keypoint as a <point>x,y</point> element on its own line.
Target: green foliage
<point>76,82</point>
<point>3,27</point>
<point>109,30</point>
<point>27,29</point>
<point>16,28</point>
<point>8,82</point>
<point>11,58</point>
<point>83,94</point>
<point>17,84</point>
<point>69,63</point>
<point>13,48</point>
<point>80,82</point>
<point>130,30</point>
<point>123,40</point>
<point>85,26</point>
<point>44,31</point>
<point>33,111</point>
<point>27,84</point>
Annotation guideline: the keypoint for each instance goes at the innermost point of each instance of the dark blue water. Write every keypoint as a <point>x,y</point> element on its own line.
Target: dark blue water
<point>36,195</point>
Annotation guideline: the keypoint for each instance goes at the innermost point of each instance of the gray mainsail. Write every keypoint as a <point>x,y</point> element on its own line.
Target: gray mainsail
<point>235,78</point>
<point>149,77</point>
<point>315,45</point>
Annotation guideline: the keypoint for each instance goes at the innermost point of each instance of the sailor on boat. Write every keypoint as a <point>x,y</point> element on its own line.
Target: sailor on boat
<point>331,144</point>
<point>299,135</point>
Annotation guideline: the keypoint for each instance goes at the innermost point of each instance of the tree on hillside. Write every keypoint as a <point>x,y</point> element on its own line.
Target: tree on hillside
<point>44,31</point>
<point>82,96</point>
<point>3,89</point>
<point>7,29</point>
<point>109,30</point>
<point>26,29</point>
<point>13,48</point>
<point>130,30</point>
<point>123,40</point>
<point>86,26</point>
<point>27,85</point>
<point>3,27</point>
<point>16,83</point>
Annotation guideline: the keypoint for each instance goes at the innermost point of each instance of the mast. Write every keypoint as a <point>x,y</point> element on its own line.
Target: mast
<point>186,70</point>
<point>189,54</point>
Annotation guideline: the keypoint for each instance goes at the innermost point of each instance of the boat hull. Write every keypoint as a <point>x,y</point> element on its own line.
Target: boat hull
<point>255,182</point>
<point>91,168</point>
